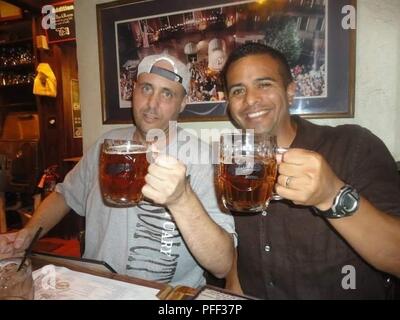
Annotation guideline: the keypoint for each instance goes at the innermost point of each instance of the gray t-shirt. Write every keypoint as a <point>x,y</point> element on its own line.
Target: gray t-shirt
<point>141,241</point>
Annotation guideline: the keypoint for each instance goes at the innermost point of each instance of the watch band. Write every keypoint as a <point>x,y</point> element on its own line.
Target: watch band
<point>345,204</point>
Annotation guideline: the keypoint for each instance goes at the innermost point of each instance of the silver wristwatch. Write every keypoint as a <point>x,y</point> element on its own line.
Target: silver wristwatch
<point>345,204</point>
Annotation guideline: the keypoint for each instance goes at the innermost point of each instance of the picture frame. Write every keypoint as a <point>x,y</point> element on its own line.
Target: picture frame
<point>310,33</point>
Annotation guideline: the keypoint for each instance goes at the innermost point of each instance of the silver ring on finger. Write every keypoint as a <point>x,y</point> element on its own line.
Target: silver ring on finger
<point>287,183</point>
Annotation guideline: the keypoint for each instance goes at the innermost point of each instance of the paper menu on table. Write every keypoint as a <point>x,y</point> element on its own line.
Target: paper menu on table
<point>211,294</point>
<point>59,283</point>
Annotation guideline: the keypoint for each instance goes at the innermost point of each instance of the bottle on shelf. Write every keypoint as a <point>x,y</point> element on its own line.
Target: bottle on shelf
<point>17,65</point>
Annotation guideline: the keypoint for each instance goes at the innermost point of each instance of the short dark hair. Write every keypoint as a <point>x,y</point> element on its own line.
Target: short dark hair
<point>255,48</point>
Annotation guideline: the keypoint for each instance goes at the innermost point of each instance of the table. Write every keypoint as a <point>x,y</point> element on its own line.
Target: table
<point>39,260</point>
<point>165,292</point>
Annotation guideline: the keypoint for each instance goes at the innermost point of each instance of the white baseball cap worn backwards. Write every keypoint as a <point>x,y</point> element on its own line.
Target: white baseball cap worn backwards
<point>180,74</point>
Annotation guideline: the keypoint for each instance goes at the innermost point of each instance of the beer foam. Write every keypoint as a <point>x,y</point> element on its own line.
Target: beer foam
<point>122,150</point>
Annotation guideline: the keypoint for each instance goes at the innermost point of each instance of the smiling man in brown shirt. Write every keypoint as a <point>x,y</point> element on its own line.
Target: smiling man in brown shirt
<point>339,223</point>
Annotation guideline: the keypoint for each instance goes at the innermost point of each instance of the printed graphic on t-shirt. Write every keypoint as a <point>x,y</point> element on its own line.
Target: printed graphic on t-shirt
<point>154,254</point>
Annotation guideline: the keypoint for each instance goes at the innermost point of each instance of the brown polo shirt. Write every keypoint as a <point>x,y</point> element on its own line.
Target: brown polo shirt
<point>290,253</point>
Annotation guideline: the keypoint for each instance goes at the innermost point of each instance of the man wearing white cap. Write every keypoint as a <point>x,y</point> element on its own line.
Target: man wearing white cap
<point>180,231</point>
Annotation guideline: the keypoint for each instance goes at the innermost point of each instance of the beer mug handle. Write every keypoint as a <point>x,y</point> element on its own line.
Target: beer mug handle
<point>153,153</point>
<point>279,152</point>
<point>276,196</point>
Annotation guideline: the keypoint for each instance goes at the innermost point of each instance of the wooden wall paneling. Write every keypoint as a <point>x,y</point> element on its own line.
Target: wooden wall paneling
<point>58,140</point>
<point>51,113</point>
<point>69,67</point>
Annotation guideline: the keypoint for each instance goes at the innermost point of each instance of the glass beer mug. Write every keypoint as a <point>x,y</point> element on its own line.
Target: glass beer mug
<point>247,171</point>
<point>16,284</point>
<point>123,166</point>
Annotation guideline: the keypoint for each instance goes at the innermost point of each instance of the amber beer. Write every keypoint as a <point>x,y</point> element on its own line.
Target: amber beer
<point>247,172</point>
<point>122,171</point>
<point>247,189</point>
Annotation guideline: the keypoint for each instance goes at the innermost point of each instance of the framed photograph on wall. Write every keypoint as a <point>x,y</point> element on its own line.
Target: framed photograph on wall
<point>310,33</point>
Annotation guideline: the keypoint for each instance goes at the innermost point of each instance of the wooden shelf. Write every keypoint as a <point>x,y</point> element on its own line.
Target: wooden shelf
<point>18,105</point>
<point>18,66</point>
<point>15,42</point>
<point>73,159</point>
<point>21,85</point>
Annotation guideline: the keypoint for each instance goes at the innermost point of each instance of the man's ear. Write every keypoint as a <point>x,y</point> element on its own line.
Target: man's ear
<point>183,103</point>
<point>291,92</point>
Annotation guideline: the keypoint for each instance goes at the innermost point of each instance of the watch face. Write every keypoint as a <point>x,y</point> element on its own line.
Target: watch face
<point>345,204</point>
<point>348,202</point>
